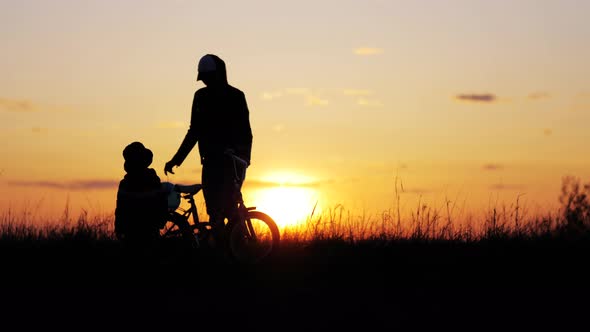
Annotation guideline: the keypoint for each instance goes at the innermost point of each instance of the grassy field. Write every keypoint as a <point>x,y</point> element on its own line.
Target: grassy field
<point>335,271</point>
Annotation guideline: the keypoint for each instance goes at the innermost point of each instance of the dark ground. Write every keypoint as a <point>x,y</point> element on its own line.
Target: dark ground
<point>503,285</point>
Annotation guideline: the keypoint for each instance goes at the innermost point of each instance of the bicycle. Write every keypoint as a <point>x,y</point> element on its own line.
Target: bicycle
<point>251,237</point>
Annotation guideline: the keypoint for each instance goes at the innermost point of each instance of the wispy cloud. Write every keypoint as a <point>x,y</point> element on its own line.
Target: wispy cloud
<point>368,51</point>
<point>270,95</point>
<point>310,97</point>
<point>16,105</point>
<point>71,185</point>
<point>478,98</point>
<point>369,102</point>
<point>539,95</point>
<point>316,101</point>
<point>502,186</point>
<point>493,167</point>
<point>357,92</point>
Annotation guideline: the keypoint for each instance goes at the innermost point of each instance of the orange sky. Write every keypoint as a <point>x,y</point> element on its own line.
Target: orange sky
<point>472,99</point>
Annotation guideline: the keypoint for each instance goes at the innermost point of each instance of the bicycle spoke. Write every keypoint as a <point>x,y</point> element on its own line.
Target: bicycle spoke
<point>253,239</point>
<point>250,229</point>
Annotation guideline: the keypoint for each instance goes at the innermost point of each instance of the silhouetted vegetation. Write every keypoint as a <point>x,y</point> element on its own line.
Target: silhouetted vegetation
<point>427,269</point>
<point>425,223</point>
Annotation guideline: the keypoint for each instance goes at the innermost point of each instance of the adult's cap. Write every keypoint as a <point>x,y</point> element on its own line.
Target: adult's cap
<point>206,65</point>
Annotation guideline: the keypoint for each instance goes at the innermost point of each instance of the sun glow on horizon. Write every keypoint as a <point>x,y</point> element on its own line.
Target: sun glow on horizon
<point>289,198</point>
<point>287,205</point>
<point>289,178</point>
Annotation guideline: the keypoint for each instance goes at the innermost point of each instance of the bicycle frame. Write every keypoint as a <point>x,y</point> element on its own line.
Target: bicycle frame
<point>192,209</point>
<point>242,225</point>
<point>188,193</point>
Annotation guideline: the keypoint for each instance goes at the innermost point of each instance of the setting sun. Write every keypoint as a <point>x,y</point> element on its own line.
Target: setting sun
<point>289,198</point>
<point>288,206</point>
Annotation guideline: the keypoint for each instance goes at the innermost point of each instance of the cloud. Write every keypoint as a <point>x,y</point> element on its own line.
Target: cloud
<point>369,102</point>
<point>72,185</point>
<point>362,97</point>
<point>502,186</point>
<point>368,51</point>
<point>547,132</point>
<point>306,93</point>
<point>270,95</point>
<point>357,92</point>
<point>316,101</point>
<point>539,95</point>
<point>493,167</point>
<point>478,98</point>
<point>17,105</point>
<point>308,96</point>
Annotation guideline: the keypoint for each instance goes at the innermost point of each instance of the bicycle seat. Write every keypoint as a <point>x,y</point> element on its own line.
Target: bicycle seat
<point>189,189</point>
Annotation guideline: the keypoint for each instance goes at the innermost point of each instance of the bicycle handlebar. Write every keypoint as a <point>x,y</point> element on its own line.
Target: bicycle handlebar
<point>195,188</point>
<point>236,158</point>
<point>239,178</point>
<point>188,189</point>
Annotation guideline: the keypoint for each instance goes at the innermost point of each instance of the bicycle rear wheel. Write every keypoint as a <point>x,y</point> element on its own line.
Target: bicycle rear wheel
<point>254,239</point>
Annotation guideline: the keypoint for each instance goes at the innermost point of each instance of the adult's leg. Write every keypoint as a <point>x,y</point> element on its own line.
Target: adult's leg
<point>213,180</point>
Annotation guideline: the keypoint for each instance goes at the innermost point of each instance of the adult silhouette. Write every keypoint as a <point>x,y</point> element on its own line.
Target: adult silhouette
<point>220,125</point>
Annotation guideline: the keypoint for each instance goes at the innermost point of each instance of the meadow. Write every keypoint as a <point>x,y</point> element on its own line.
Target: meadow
<point>429,268</point>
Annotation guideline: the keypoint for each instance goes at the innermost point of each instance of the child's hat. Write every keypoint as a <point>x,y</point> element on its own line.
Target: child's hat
<point>137,156</point>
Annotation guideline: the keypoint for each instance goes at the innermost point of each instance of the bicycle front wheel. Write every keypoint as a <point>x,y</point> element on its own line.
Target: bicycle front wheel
<point>254,239</point>
<point>173,226</point>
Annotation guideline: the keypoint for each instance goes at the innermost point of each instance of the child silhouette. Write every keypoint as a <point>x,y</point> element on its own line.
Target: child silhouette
<point>141,201</point>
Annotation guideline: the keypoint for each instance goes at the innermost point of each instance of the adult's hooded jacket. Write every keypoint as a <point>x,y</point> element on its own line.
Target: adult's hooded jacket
<point>219,121</point>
